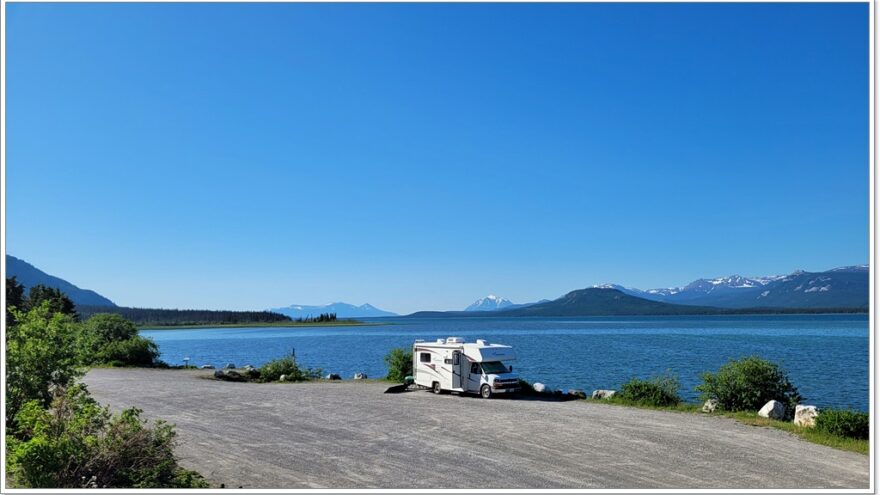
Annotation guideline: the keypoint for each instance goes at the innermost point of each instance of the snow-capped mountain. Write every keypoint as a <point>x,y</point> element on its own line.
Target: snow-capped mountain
<point>489,303</point>
<point>839,287</point>
<point>342,310</point>
<point>852,268</point>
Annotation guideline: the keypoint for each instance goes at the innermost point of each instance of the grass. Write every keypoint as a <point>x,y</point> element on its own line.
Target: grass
<point>809,434</point>
<point>615,401</point>
<point>338,323</point>
<point>752,419</point>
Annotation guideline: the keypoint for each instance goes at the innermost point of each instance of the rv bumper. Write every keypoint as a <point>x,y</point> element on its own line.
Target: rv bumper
<point>500,388</point>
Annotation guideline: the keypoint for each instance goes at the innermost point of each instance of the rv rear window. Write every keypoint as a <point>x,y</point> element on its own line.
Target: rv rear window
<point>425,357</point>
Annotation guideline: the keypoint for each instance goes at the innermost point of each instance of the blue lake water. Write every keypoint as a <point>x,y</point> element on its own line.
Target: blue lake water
<point>826,355</point>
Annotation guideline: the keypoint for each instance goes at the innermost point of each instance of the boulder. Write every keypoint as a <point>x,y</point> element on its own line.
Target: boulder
<point>333,376</point>
<point>282,378</point>
<point>229,366</point>
<point>805,416</point>
<point>252,372</point>
<point>603,394</point>
<point>540,387</point>
<point>248,367</point>
<point>773,410</point>
<point>580,394</point>
<point>360,376</point>
<point>229,375</point>
<point>207,366</point>
<point>710,406</point>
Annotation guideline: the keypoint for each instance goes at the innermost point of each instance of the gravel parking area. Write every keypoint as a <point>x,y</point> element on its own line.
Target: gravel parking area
<point>352,435</point>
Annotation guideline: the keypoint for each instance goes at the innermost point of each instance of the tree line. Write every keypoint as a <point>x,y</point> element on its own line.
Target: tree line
<point>321,318</point>
<point>166,317</point>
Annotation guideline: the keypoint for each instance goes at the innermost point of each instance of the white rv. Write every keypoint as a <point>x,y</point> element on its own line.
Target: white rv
<point>453,365</point>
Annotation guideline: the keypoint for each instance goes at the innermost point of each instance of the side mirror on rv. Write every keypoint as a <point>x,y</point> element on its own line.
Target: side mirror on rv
<point>511,368</point>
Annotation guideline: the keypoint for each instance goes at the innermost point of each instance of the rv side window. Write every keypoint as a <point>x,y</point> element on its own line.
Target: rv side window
<point>475,368</point>
<point>425,357</point>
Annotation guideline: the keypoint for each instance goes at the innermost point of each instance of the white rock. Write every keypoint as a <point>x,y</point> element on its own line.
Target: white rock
<point>603,394</point>
<point>710,406</point>
<point>360,376</point>
<point>773,410</point>
<point>282,378</point>
<point>805,415</point>
<point>540,387</point>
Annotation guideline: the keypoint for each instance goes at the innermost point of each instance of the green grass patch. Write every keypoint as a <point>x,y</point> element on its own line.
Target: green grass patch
<point>618,401</point>
<point>815,435</point>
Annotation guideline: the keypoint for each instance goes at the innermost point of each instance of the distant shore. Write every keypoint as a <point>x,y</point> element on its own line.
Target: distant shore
<point>338,323</point>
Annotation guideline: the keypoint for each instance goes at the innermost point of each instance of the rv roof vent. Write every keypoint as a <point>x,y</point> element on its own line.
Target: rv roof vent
<point>454,340</point>
<point>482,342</point>
<point>441,341</point>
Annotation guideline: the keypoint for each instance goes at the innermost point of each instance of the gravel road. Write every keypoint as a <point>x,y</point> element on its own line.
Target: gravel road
<point>351,435</point>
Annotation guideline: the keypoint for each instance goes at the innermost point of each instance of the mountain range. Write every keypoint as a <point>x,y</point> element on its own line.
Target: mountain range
<point>838,289</point>
<point>342,310</point>
<point>844,287</point>
<point>29,276</point>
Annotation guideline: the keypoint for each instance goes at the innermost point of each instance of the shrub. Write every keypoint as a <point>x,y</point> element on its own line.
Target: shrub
<point>111,339</point>
<point>844,423</point>
<point>41,355</point>
<point>658,391</point>
<point>79,444</point>
<point>272,371</point>
<point>137,351</point>
<point>400,364</point>
<point>108,327</point>
<point>749,383</point>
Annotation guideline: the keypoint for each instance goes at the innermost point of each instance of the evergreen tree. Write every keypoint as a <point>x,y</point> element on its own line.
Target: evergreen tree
<point>58,301</point>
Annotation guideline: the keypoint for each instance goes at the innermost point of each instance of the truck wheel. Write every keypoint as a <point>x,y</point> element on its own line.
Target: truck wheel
<point>485,391</point>
<point>436,388</point>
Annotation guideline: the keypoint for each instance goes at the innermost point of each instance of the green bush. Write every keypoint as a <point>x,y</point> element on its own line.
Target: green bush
<point>136,351</point>
<point>41,354</point>
<point>272,371</point>
<point>79,444</point>
<point>844,423</point>
<point>749,383</point>
<point>658,391</point>
<point>400,364</point>
<point>111,339</point>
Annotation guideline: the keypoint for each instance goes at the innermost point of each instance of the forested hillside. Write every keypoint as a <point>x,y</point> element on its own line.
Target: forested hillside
<point>168,317</point>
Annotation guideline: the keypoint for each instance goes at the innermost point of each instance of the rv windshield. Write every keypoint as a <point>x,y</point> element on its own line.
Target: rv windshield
<point>494,367</point>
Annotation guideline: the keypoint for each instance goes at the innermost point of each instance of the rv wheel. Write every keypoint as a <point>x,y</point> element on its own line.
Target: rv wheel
<point>485,391</point>
<point>436,387</point>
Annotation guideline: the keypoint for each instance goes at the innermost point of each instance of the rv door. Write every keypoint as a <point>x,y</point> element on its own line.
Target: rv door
<point>457,376</point>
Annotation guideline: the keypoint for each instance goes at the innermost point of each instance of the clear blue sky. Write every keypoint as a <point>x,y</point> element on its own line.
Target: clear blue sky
<point>421,156</point>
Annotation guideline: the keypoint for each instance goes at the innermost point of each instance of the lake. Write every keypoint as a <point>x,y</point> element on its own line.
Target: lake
<point>826,355</point>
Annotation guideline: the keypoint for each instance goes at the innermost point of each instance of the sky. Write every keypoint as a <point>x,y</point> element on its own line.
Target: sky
<point>416,157</point>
